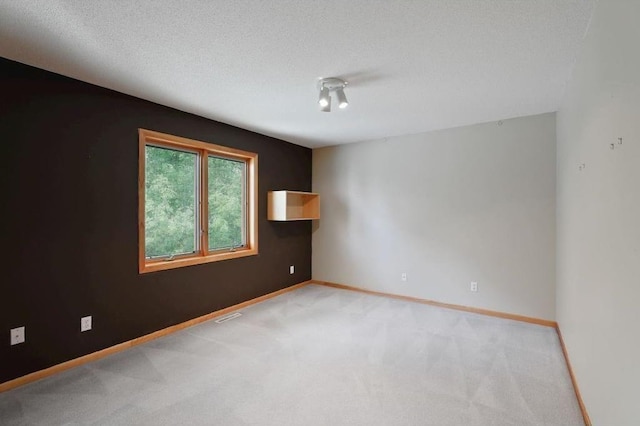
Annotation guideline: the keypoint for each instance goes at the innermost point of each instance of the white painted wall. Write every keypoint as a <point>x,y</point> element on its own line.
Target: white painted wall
<point>598,276</point>
<point>475,203</point>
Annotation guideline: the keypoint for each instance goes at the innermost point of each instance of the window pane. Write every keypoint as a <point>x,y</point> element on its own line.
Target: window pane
<point>170,202</point>
<point>226,203</point>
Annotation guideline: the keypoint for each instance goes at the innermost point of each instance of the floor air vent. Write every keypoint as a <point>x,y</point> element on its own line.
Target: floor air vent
<point>228,317</point>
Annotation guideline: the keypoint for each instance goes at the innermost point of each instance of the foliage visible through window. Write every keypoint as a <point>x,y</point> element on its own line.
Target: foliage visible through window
<point>226,201</point>
<point>197,202</point>
<point>171,222</point>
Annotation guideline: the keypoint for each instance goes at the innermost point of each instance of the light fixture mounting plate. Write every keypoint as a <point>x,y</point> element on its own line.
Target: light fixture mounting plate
<point>332,83</point>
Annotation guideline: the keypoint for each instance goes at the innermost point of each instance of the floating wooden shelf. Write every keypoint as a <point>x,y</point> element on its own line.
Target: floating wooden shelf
<point>293,205</point>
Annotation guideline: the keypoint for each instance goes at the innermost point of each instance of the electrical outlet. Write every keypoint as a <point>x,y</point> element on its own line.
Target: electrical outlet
<point>85,323</point>
<point>404,276</point>
<point>17,335</point>
<point>474,286</point>
<point>292,269</point>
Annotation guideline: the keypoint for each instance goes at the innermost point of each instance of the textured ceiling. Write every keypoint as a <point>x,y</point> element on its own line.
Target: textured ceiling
<point>413,66</point>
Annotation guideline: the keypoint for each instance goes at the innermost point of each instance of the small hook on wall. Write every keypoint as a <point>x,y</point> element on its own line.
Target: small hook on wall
<point>581,166</point>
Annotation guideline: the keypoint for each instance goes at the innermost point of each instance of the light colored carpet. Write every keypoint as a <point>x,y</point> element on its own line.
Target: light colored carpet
<point>319,356</point>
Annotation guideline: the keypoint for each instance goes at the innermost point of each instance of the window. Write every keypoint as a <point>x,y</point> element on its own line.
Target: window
<point>197,202</point>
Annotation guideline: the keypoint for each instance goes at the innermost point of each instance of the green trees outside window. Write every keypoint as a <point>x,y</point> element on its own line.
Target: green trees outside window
<point>226,203</point>
<point>171,202</point>
<point>171,222</point>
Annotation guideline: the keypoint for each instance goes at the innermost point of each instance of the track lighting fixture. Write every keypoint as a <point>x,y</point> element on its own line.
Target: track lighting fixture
<point>328,85</point>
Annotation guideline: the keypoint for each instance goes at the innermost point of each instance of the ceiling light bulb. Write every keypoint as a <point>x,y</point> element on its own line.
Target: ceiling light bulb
<point>342,98</point>
<point>324,99</point>
<point>327,107</point>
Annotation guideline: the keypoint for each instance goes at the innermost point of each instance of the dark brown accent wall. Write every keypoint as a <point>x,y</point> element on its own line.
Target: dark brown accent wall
<point>69,221</point>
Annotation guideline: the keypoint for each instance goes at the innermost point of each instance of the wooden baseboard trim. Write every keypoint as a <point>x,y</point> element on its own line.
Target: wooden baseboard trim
<point>583,409</point>
<point>37,375</point>
<point>538,321</point>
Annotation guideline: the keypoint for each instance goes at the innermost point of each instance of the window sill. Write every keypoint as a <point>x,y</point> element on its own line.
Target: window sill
<point>162,265</point>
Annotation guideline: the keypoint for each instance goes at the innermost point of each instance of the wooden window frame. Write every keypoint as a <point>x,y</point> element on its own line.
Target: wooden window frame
<point>202,255</point>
